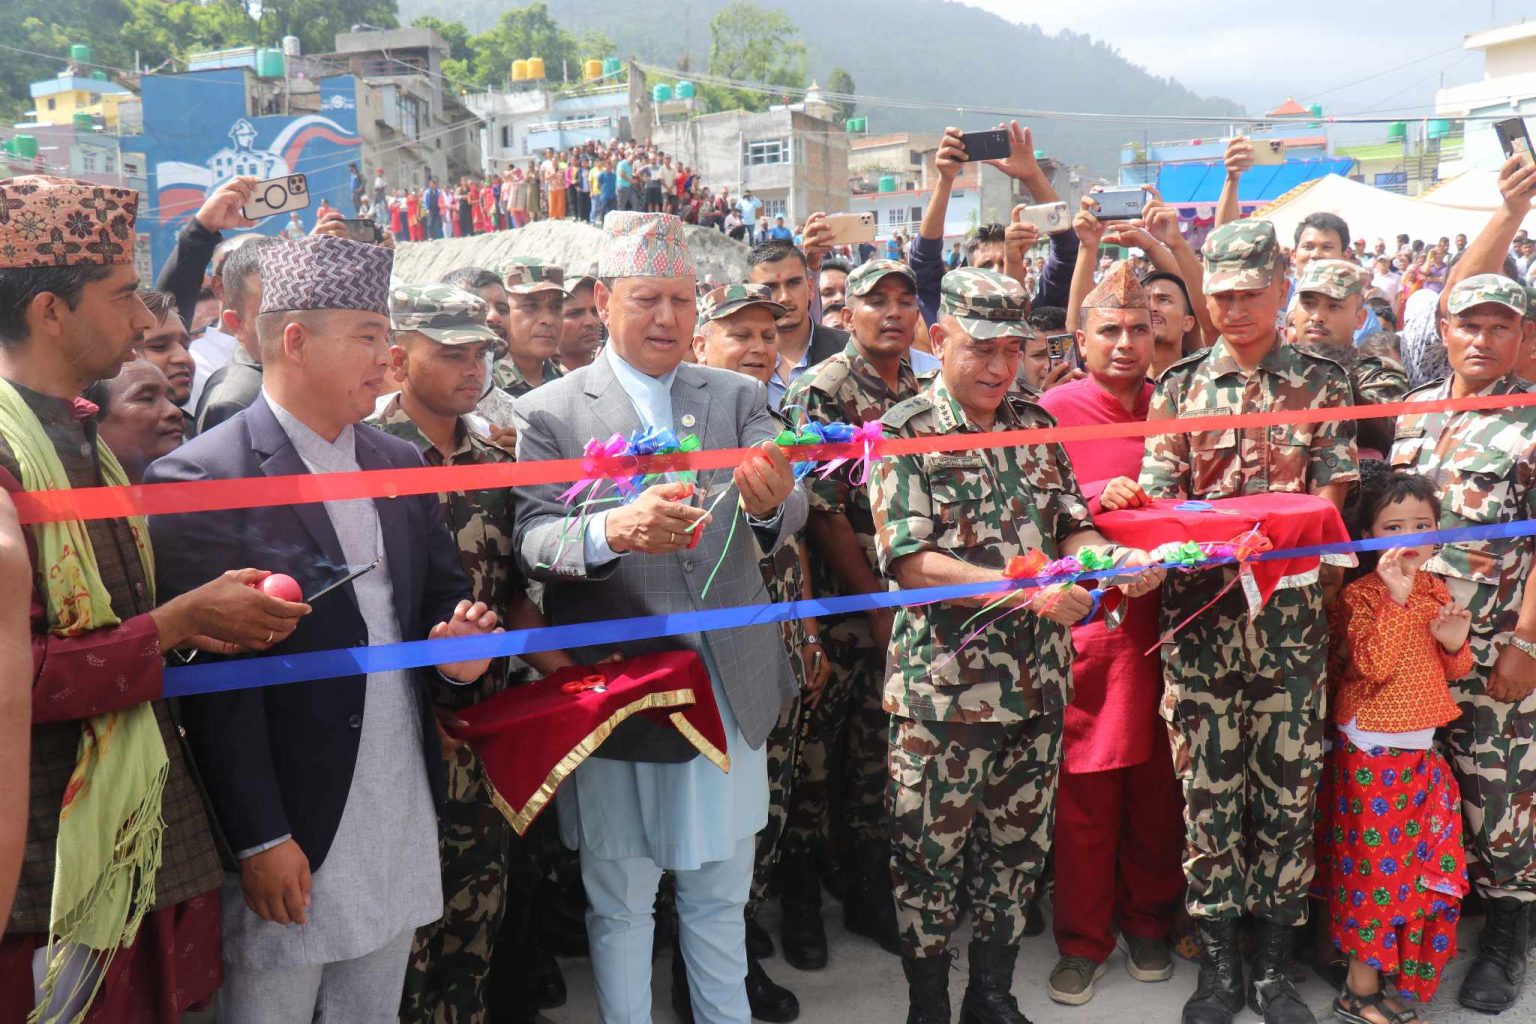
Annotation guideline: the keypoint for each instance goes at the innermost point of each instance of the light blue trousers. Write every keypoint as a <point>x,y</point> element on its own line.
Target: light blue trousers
<point>621,895</point>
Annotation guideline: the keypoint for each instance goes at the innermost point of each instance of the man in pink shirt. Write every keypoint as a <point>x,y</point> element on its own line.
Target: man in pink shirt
<point>1118,811</point>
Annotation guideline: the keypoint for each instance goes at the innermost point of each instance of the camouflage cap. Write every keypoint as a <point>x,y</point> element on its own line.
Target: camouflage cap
<point>523,276</point>
<point>866,275</point>
<point>1337,279</point>
<point>587,276</point>
<point>1481,288</point>
<point>1243,254</point>
<point>987,304</point>
<point>448,315</point>
<point>1530,303</point>
<point>719,303</point>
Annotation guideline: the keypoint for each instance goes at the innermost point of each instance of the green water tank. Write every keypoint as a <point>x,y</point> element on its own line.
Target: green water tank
<point>1439,128</point>
<point>84,122</point>
<point>270,63</point>
<point>612,66</point>
<point>80,53</point>
<point>1397,131</point>
<point>685,90</point>
<point>98,76</point>
<point>887,183</point>
<point>25,146</point>
<point>661,92</point>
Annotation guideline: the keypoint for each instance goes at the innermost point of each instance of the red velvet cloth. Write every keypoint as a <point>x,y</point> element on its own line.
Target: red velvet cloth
<point>171,967</point>
<point>530,738</point>
<point>1112,721</point>
<point>1288,520</point>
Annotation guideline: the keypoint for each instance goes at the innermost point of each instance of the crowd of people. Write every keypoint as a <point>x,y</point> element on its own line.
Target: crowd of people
<point>1324,762</point>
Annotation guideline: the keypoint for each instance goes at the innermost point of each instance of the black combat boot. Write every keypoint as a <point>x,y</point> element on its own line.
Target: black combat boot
<point>769,1002</point>
<point>802,932</point>
<point>759,942</point>
<point>1273,994</point>
<point>989,992</point>
<point>1493,981</point>
<point>1219,991</point>
<point>927,988</point>
<point>869,908</point>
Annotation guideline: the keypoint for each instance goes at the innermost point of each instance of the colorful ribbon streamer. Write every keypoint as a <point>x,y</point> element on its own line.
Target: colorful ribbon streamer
<point>275,670</point>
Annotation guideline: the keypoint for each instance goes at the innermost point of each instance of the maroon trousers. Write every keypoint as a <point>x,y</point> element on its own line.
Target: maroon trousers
<point>1118,849</point>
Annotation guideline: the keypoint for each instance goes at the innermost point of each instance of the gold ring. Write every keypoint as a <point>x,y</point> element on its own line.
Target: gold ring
<point>674,537</point>
<point>270,634</point>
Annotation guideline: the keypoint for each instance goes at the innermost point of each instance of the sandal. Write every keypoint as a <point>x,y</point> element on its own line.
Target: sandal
<point>1350,1008</point>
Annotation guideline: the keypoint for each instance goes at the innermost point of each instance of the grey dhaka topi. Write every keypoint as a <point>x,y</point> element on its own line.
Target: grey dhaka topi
<point>325,272</point>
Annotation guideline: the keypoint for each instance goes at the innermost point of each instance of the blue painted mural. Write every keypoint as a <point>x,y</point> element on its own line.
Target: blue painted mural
<point>199,131</point>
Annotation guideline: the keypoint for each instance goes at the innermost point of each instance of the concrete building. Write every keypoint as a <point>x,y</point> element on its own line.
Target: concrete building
<point>898,155</point>
<point>1508,89</point>
<point>793,160</point>
<point>412,121</point>
<point>58,100</point>
<point>521,124</point>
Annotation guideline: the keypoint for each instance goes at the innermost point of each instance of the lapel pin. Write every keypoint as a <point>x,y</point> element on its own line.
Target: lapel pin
<point>688,419</point>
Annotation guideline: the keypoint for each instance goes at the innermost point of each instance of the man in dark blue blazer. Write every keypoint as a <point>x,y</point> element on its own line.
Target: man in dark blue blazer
<point>325,790</point>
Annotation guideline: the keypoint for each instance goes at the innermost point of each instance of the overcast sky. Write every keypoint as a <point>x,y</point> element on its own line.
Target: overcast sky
<point>1258,52</point>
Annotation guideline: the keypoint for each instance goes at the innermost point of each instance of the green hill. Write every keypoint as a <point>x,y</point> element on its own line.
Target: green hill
<point>908,50</point>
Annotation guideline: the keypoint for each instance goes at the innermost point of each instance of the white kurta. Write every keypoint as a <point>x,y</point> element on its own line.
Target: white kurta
<point>381,875</point>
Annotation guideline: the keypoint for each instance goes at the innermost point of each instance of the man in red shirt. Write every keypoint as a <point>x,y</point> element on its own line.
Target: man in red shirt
<point>1118,826</point>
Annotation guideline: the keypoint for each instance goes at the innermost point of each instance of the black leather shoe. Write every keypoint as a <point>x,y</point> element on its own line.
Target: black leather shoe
<point>927,989</point>
<point>1493,981</point>
<point>1273,994</point>
<point>989,992</point>
<point>1219,991</point>
<point>548,981</point>
<point>801,931</point>
<point>769,1002</point>
<point>759,942</point>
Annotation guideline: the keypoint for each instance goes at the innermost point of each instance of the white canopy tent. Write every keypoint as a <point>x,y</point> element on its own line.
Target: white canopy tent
<point>1373,213</point>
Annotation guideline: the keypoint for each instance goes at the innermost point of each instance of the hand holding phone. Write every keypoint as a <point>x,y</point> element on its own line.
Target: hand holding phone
<point>277,195</point>
<point>850,228</point>
<point>1515,139</point>
<point>1061,348</point>
<point>988,145</point>
<point>1048,217</point>
<point>1120,203</point>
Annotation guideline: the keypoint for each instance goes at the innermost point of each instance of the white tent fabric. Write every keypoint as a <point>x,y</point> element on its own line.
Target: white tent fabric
<point>1371,213</point>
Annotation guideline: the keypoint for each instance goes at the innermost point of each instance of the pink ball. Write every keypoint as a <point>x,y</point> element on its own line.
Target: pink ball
<point>284,588</point>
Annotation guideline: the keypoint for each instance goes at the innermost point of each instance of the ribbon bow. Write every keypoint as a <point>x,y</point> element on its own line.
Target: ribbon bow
<point>868,434</point>
<point>809,435</point>
<point>594,451</point>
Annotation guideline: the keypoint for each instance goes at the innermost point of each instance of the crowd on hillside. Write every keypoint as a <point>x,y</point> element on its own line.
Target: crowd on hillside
<point>1203,690</point>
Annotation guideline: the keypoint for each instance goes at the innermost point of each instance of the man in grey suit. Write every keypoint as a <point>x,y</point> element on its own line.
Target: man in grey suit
<point>647,803</point>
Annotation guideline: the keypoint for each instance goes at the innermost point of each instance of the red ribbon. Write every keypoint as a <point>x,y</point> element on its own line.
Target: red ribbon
<point>88,503</point>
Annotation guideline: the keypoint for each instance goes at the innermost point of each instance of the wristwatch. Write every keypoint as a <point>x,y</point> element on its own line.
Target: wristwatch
<point>812,638</point>
<point>1525,647</point>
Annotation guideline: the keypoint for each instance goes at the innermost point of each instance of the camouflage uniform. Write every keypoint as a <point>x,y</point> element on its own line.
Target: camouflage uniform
<point>845,388</point>
<point>450,959</point>
<point>1484,465</point>
<point>1244,699</point>
<point>785,580</point>
<point>975,734</point>
<point>1374,378</point>
<point>524,277</point>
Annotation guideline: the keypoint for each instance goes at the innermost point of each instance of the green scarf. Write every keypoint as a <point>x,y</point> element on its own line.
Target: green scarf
<point>110,826</point>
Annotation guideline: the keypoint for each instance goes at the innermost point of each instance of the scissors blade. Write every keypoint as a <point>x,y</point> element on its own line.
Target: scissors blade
<point>348,578</point>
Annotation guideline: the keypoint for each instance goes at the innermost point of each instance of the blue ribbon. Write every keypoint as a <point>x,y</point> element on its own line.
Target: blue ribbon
<point>275,670</point>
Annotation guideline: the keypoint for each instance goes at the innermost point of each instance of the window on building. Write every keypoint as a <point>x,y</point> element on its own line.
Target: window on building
<point>896,217</point>
<point>915,158</point>
<point>506,136</point>
<point>88,161</point>
<point>52,103</point>
<point>776,208</point>
<point>410,118</point>
<point>767,151</point>
<point>111,164</point>
<point>915,214</point>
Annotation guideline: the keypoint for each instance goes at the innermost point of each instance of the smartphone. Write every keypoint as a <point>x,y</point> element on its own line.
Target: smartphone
<point>851,228</point>
<point>992,145</point>
<point>362,230</point>
<point>1048,217</point>
<point>1120,203</point>
<point>277,195</point>
<point>1268,152</point>
<point>1061,348</point>
<point>1514,138</point>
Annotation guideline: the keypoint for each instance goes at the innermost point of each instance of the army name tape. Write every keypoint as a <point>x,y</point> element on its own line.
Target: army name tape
<point>88,503</point>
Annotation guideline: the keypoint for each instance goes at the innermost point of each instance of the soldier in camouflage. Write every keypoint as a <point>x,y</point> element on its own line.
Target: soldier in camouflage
<point>440,348</point>
<point>736,332</point>
<point>1484,465</point>
<point>536,301</point>
<point>859,384</point>
<point>495,406</point>
<point>975,727</point>
<point>1330,308</point>
<point>1244,699</point>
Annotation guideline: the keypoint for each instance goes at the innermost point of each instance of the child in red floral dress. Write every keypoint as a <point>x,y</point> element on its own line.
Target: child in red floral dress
<point>1391,861</point>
